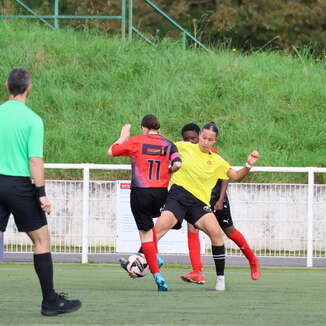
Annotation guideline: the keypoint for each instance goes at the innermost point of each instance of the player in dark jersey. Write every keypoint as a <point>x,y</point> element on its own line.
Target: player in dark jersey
<point>151,156</point>
<point>221,208</point>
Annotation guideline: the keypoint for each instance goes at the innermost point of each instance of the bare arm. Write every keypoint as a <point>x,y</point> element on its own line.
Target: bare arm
<point>175,167</point>
<point>238,175</point>
<point>124,135</point>
<point>36,166</point>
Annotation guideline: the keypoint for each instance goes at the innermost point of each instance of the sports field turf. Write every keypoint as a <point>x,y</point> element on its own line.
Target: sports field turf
<point>282,297</point>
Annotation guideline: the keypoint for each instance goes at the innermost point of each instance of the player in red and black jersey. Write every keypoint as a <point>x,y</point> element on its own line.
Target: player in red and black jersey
<point>153,159</point>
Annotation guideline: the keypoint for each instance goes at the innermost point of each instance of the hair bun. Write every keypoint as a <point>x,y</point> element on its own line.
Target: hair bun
<point>211,126</point>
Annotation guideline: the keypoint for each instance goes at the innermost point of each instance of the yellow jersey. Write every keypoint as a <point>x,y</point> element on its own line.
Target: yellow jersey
<point>199,171</point>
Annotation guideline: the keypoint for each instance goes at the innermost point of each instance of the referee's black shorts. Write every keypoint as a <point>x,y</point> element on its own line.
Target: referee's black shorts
<point>184,205</point>
<point>18,197</point>
<point>146,204</point>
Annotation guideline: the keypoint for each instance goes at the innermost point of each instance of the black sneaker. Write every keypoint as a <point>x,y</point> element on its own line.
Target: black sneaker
<point>59,306</point>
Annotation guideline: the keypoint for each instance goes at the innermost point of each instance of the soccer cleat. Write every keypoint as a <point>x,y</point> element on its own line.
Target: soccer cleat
<point>160,260</point>
<point>255,269</point>
<point>60,305</point>
<point>124,263</point>
<point>194,277</point>
<point>220,283</point>
<point>160,282</point>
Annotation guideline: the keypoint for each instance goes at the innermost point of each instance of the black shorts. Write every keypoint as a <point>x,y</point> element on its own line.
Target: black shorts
<point>18,197</point>
<point>185,205</point>
<point>223,216</point>
<point>146,204</point>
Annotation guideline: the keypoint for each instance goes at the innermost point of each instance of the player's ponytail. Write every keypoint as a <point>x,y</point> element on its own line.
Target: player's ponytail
<point>151,122</point>
<point>211,126</point>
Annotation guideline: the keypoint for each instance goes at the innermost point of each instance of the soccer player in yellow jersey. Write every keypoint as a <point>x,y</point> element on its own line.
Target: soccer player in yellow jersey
<point>190,193</point>
<point>221,207</point>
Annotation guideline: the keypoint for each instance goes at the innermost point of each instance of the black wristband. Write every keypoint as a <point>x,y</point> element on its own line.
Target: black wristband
<point>40,191</point>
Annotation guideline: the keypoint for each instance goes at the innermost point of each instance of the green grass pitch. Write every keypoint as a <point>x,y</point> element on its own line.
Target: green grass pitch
<point>283,297</point>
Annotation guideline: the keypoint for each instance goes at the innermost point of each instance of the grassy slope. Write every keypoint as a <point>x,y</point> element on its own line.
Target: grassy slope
<point>87,86</point>
<point>282,297</point>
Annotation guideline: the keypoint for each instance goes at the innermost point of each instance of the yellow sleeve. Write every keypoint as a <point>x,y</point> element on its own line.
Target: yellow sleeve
<point>180,145</point>
<point>223,169</point>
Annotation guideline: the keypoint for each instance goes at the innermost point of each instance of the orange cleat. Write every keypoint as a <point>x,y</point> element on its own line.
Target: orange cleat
<point>255,269</point>
<point>194,277</point>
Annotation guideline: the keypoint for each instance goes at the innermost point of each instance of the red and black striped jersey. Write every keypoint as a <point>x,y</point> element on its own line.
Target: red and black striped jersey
<point>150,155</point>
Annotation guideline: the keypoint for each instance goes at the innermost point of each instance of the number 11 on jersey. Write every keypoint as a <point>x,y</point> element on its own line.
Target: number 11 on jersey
<point>152,164</point>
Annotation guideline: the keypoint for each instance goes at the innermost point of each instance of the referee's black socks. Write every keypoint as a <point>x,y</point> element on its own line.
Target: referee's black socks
<point>218,253</point>
<point>44,269</point>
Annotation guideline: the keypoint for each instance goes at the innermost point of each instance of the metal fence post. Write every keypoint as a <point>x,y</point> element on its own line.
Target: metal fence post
<point>130,13</point>
<point>1,247</point>
<point>184,39</point>
<point>123,19</point>
<point>310,216</point>
<point>85,214</point>
<point>56,14</point>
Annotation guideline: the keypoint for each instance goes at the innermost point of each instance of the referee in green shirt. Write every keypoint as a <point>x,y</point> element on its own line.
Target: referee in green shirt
<point>21,158</point>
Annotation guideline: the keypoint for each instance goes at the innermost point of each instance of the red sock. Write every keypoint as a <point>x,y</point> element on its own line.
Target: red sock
<point>194,251</point>
<point>150,255</point>
<point>241,242</point>
<point>155,238</point>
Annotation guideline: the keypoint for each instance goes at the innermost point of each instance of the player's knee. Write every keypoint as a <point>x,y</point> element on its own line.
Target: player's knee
<point>164,223</point>
<point>229,230</point>
<point>43,241</point>
<point>41,246</point>
<point>216,237</point>
<point>161,228</point>
<point>40,239</point>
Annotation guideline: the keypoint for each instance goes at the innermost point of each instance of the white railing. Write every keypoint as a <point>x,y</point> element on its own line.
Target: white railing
<point>277,219</point>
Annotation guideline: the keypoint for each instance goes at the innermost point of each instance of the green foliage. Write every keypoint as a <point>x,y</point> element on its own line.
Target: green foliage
<point>243,24</point>
<point>86,87</point>
<point>285,24</point>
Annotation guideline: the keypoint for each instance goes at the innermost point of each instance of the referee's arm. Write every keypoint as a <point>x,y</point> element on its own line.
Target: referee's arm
<point>36,165</point>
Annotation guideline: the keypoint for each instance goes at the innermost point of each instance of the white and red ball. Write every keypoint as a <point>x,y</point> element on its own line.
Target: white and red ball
<point>137,265</point>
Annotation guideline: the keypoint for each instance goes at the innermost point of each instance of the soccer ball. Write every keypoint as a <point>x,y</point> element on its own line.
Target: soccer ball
<point>137,265</point>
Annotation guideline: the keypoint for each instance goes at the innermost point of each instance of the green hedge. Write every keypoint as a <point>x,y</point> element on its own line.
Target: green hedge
<point>243,24</point>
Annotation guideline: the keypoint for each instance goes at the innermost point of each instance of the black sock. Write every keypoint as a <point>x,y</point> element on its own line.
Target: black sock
<point>44,270</point>
<point>218,253</point>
